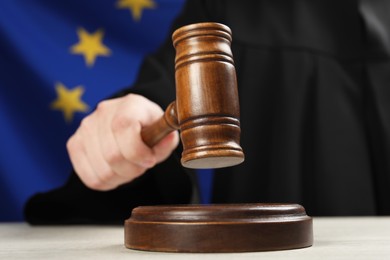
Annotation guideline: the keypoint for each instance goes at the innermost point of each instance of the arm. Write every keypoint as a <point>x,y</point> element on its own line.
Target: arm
<point>107,150</point>
<point>165,183</point>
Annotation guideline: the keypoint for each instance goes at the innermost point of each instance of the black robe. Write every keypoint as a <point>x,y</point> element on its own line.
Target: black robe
<point>314,86</point>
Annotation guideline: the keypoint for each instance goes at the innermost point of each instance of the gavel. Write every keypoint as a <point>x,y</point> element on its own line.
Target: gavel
<point>206,110</point>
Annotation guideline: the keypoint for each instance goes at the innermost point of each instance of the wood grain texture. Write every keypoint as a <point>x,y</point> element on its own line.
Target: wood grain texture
<point>206,110</point>
<point>342,238</point>
<point>219,228</point>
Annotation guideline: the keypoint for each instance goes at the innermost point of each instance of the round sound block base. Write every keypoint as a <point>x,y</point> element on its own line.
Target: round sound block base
<point>219,228</point>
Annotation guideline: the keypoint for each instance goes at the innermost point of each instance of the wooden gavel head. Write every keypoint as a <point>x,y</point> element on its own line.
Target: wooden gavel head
<point>206,110</point>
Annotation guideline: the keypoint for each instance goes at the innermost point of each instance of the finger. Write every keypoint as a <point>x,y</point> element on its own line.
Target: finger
<point>80,162</point>
<point>105,177</point>
<point>165,147</point>
<point>135,113</point>
<point>109,148</point>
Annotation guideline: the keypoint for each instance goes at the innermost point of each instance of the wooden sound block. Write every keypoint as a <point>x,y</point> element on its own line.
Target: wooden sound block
<point>219,228</point>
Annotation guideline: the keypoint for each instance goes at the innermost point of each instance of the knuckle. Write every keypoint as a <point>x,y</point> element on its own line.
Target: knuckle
<point>107,176</point>
<point>95,184</point>
<point>121,121</point>
<point>102,181</point>
<point>112,156</point>
<point>86,123</point>
<point>71,144</point>
<point>136,172</point>
<point>132,97</point>
<point>103,106</point>
<point>139,156</point>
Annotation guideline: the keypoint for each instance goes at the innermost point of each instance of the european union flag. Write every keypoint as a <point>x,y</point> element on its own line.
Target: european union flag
<point>57,60</point>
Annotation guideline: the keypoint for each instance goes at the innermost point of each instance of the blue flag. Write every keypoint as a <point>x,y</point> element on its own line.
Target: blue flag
<point>58,59</point>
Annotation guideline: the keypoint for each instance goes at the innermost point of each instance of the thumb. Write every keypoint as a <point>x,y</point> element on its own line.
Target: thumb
<point>165,147</point>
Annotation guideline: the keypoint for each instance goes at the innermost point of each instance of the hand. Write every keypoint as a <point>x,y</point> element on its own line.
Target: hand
<point>107,150</point>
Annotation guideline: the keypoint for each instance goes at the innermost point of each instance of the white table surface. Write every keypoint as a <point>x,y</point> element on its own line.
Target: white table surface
<point>334,238</point>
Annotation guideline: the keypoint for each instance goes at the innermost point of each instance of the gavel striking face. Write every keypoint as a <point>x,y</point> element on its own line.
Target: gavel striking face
<point>206,110</point>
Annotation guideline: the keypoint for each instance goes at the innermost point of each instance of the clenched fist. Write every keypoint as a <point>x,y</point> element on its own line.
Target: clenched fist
<point>107,150</point>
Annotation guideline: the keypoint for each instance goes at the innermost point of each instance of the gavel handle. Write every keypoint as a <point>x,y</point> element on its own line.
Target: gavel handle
<point>154,133</point>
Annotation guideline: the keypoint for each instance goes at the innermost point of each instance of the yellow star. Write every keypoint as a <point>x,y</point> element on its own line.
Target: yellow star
<point>69,101</point>
<point>136,6</point>
<point>90,45</point>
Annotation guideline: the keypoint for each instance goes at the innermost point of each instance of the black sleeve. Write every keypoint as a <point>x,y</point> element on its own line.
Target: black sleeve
<point>156,77</point>
<point>167,183</point>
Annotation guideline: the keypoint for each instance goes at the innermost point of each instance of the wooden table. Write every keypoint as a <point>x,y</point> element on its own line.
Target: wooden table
<point>334,238</point>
